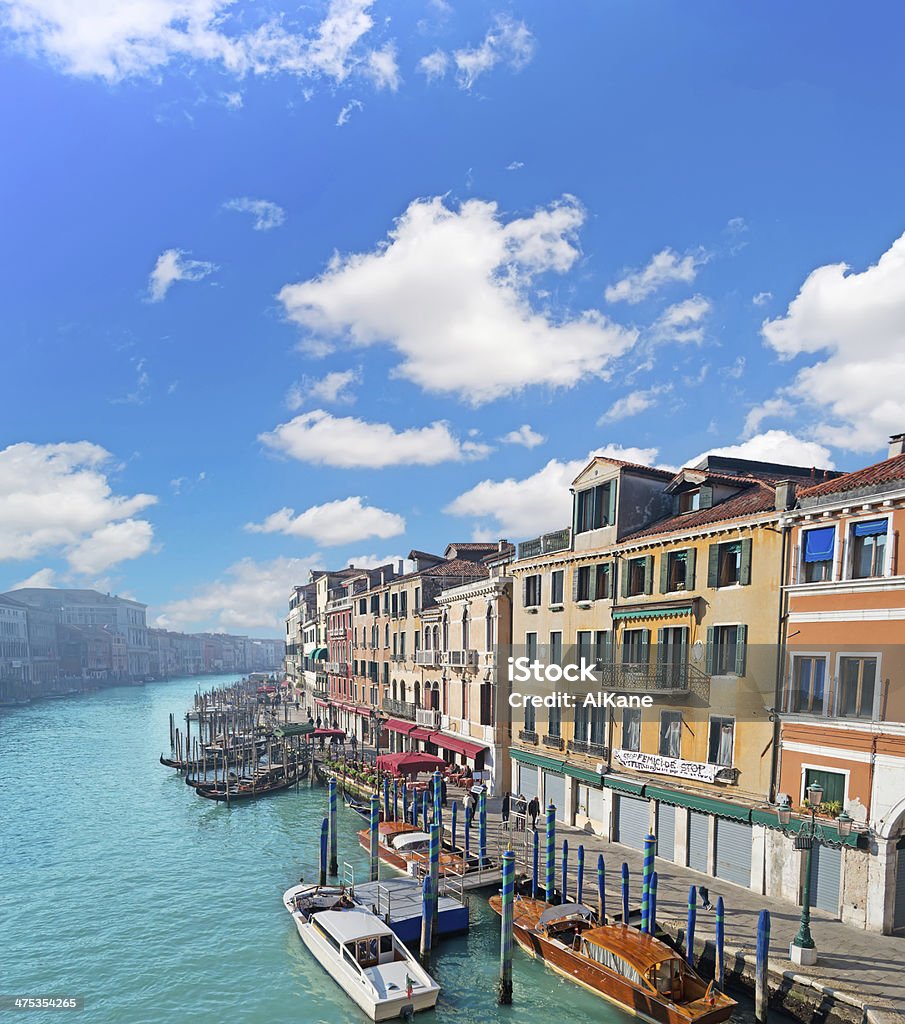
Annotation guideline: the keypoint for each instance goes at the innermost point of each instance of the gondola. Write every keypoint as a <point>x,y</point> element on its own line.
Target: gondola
<point>247,789</point>
<point>360,807</point>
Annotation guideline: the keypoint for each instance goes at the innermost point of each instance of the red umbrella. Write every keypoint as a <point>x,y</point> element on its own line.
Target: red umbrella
<point>409,764</point>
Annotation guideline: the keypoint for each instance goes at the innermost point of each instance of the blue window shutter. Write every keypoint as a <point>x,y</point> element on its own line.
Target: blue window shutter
<point>611,511</point>
<point>626,578</point>
<point>664,573</point>
<point>592,583</point>
<point>645,646</point>
<point>649,574</point>
<point>706,493</point>
<point>574,583</point>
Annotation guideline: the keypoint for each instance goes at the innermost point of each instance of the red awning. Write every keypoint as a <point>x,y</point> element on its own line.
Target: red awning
<point>409,764</point>
<point>364,712</point>
<point>458,745</point>
<point>397,725</point>
<point>328,732</point>
<point>422,734</point>
<point>321,703</point>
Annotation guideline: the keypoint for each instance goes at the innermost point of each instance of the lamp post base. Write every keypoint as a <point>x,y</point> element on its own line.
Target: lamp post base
<point>802,956</point>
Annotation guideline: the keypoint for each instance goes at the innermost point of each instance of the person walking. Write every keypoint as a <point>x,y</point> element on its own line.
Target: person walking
<point>705,897</point>
<point>443,791</point>
<point>470,804</point>
<point>504,809</point>
<point>354,742</point>
<point>533,811</point>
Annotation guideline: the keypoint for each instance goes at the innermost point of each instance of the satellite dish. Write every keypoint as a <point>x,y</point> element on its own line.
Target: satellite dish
<point>697,650</point>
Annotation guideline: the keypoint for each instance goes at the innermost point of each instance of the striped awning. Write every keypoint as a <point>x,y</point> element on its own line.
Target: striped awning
<point>626,614</point>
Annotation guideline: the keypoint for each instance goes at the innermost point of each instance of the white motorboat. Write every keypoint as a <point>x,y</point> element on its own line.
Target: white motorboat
<point>360,952</point>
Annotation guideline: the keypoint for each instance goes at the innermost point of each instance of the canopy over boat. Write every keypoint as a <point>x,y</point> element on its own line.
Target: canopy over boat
<point>564,911</point>
<point>349,925</point>
<point>409,764</point>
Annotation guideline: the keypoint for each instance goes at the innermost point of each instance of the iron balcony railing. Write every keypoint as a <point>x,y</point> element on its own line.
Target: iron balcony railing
<point>559,540</point>
<point>655,676</point>
<point>553,741</point>
<point>527,735</point>
<point>399,708</point>
<point>586,747</point>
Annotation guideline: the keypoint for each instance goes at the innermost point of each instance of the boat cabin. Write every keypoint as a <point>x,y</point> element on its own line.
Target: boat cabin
<point>361,938</point>
<point>411,842</point>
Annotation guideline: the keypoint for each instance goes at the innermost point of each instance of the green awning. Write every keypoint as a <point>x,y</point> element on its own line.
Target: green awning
<point>707,804</point>
<point>295,729</point>
<point>319,654</point>
<point>651,613</point>
<point>767,816</point>
<point>624,785</point>
<point>529,757</point>
<point>583,774</point>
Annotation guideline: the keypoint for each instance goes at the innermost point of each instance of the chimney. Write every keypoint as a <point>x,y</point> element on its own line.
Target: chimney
<point>896,446</point>
<point>503,544</point>
<point>400,567</point>
<point>785,495</point>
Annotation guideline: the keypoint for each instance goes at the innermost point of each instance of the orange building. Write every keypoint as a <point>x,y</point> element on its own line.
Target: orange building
<point>843,689</point>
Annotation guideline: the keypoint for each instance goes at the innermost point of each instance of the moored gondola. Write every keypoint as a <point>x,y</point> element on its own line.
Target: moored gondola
<point>246,789</point>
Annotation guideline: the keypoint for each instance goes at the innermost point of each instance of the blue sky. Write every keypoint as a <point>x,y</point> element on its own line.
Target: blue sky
<point>285,287</point>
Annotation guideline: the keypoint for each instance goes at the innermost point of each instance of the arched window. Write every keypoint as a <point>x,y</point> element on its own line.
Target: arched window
<point>436,638</point>
<point>417,695</point>
<point>386,635</point>
<point>427,639</point>
<point>465,629</point>
<point>488,628</point>
<point>394,689</point>
<point>487,703</point>
<point>445,631</point>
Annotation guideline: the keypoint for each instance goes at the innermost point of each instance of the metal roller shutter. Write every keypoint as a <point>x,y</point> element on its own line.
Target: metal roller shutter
<point>898,920</point>
<point>555,790</point>
<point>733,851</point>
<point>632,822</point>
<point>666,831</point>
<point>698,841</point>
<point>826,872</point>
<point>527,781</point>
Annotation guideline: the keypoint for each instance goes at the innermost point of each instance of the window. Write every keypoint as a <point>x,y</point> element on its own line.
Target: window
<point>671,733</point>
<point>832,783</point>
<point>635,646</point>
<point>869,548</point>
<point>721,741</point>
<point>556,586</point>
<point>403,604</point>
<point>554,722</point>
<point>386,635</point>
<point>595,507</point>
<point>631,729</point>
<point>817,551</point>
<point>556,648</point>
<point>805,693</point>
<point>689,501</point>
<point>726,650</point>
<point>417,599</point>
<point>581,723</point>
<point>465,630</point>
<point>583,642</point>
<point>677,571</point>
<point>729,564</point>
<point>603,588</point>
<point>637,573</point>
<point>531,589</point>
<point>531,646</point>
<point>672,657</point>
<point>530,718</point>
<point>603,647</point>
<point>857,685</point>
<point>488,629</point>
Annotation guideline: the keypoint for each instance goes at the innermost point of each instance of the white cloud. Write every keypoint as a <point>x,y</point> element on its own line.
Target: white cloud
<point>450,291</point>
<point>516,165</point>
<point>776,446</point>
<point>267,215</point>
<point>56,498</point>
<point>251,596</point>
<point>537,503</point>
<point>94,38</point>
<point>172,266</point>
<point>382,69</point>
<point>855,322</point>
<point>434,65</point>
<point>139,395</point>
<point>507,42</point>
<point>345,441</point>
<point>761,299</point>
<point>335,522</point>
<point>735,370</point>
<point>525,436</point>
<point>376,561</point>
<point>332,389</point>
<point>233,100</point>
<point>664,268</point>
<point>681,322</point>
<point>633,403</point>
<point>42,579</point>
<point>773,408</point>
<point>346,112</point>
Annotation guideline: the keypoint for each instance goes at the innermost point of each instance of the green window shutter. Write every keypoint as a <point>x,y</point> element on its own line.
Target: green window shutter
<point>574,583</point>
<point>744,571</point>
<point>689,569</point>
<point>524,591</point>
<point>664,573</point>
<point>660,649</point>
<point>741,650</point>
<point>608,647</point>
<point>645,646</point>
<point>649,574</point>
<point>575,502</point>
<point>711,654</point>
<point>611,510</point>
<point>713,566</point>
<point>592,583</point>
<point>626,576</point>
<point>706,497</point>
<point>610,573</point>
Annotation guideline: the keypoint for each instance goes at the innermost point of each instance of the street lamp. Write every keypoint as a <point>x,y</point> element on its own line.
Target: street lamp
<point>802,949</point>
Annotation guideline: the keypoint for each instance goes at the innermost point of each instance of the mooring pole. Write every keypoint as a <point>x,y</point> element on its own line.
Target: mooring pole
<point>689,930</point>
<point>334,842</point>
<point>535,859</point>
<point>482,826</point>
<point>424,806</point>
<point>720,966</point>
<point>434,852</point>
<point>467,830</point>
<point>322,877</point>
<point>506,918</point>
<point>427,913</point>
<point>648,868</point>
<point>375,818</point>
<point>386,798</point>
<point>395,798</point>
<point>761,992</point>
<point>601,890</point>
<point>455,808</point>
<point>438,803</point>
<point>564,888</point>
<point>624,893</point>
<point>580,883</point>
<point>652,916</point>
<point>550,880</point>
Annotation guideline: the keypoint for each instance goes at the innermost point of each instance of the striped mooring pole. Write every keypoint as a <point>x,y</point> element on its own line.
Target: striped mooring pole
<point>375,818</point>
<point>427,915</point>
<point>386,798</point>
<point>720,965</point>
<point>455,808</point>
<point>467,831</point>
<point>425,804</point>
<point>482,826</point>
<point>601,890</point>
<point>395,799</point>
<point>689,928</point>
<point>580,883</point>
<point>761,992</point>
<point>648,868</point>
<point>506,919</point>
<point>322,875</point>
<point>535,862</point>
<point>405,801</point>
<point>564,888</point>
<point>434,857</point>
<point>438,804</point>
<point>414,806</point>
<point>652,916</point>
<point>331,807</point>
<point>550,880</point>
<point>624,893</point>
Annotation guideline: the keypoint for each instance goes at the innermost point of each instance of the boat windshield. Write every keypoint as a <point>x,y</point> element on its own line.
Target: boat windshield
<point>666,977</point>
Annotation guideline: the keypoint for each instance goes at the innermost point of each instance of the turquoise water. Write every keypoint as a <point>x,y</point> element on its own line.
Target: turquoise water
<point>120,885</point>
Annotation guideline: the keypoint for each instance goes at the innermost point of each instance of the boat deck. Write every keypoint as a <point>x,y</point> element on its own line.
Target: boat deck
<point>403,896</point>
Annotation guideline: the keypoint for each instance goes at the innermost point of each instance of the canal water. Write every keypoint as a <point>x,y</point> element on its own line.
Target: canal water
<point>119,885</point>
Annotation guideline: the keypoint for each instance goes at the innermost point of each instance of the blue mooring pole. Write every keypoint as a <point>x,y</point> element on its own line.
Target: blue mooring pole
<point>405,801</point>
<point>689,930</point>
<point>535,862</point>
<point>425,804</point>
<point>720,966</point>
<point>482,826</point>
<point>386,798</point>
<point>438,803</point>
<point>761,992</point>
<point>564,888</point>
<point>550,880</point>
<point>395,799</point>
<point>580,883</point>
<point>375,819</point>
<point>506,918</point>
<point>455,808</point>
<point>434,854</point>
<point>331,809</point>
<point>427,915</point>
<point>652,916</point>
<point>467,831</point>
<point>601,890</point>
<point>624,893</point>
<point>414,806</point>
<point>322,876</point>
<point>647,871</point>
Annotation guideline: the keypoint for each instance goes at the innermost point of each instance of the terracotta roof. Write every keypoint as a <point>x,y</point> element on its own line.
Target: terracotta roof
<point>665,474</point>
<point>473,546</point>
<point>879,473</point>
<point>456,567</point>
<point>507,552</point>
<point>756,497</point>
<point>415,554</point>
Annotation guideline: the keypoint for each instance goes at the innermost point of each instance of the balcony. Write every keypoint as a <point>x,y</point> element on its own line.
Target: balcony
<point>397,657</point>
<point>527,736</point>
<point>460,659</point>
<point>559,540</point>
<point>656,677</point>
<point>554,742</point>
<point>322,694</point>
<point>428,658</point>
<point>399,708</point>
<point>428,718</point>
<point>600,750</point>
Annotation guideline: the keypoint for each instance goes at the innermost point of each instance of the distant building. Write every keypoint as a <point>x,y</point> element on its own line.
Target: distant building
<point>15,662</point>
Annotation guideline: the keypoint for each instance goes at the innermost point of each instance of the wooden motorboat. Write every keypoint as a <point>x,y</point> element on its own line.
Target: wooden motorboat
<point>361,953</point>
<point>635,971</point>
<point>405,847</point>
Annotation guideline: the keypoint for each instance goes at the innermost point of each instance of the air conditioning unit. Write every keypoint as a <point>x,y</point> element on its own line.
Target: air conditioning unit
<point>601,768</point>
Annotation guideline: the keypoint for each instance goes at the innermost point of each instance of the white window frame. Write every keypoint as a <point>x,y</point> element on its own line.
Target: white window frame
<point>807,766</point>
<point>849,550</point>
<point>874,714</point>
<point>838,546</point>
<point>828,682</point>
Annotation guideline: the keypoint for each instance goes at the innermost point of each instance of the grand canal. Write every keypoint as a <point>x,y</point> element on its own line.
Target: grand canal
<point>119,885</point>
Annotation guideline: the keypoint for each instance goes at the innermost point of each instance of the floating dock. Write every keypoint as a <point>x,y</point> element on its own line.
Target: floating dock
<point>398,902</point>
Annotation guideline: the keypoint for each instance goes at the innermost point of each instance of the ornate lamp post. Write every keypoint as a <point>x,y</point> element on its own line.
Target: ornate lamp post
<point>802,949</point>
